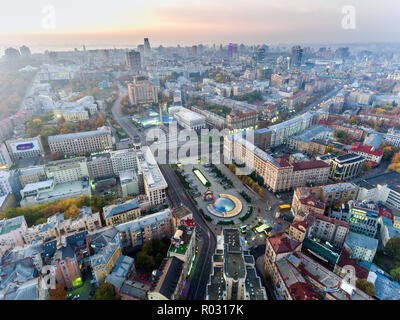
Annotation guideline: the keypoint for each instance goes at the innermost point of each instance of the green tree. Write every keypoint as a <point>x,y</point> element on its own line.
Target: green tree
<point>106,291</point>
<point>392,248</point>
<point>395,273</point>
<point>366,286</point>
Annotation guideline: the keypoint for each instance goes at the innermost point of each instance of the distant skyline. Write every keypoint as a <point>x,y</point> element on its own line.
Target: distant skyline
<point>187,22</point>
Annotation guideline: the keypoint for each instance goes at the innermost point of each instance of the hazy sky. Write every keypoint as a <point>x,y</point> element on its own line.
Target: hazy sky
<point>187,22</point>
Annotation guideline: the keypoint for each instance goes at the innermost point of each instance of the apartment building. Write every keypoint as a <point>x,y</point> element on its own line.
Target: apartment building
<point>368,152</point>
<point>142,91</point>
<point>100,166</point>
<point>107,250</point>
<point>81,142</point>
<point>121,213</point>
<point>393,137</point>
<point>241,120</point>
<point>12,232</point>
<point>233,275</point>
<point>137,232</point>
<point>67,269</point>
<point>5,159</point>
<point>57,226</point>
<point>298,277</point>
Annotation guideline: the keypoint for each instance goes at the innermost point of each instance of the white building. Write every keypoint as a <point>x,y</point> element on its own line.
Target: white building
<point>68,170</point>
<point>154,182</point>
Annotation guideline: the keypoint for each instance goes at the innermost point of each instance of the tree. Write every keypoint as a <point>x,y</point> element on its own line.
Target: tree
<point>106,291</point>
<point>392,248</point>
<point>144,261</point>
<point>395,273</point>
<point>367,166</point>
<point>366,286</point>
<point>58,293</point>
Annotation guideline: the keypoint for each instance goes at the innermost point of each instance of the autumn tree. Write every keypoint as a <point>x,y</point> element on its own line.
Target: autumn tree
<point>58,293</point>
<point>366,286</point>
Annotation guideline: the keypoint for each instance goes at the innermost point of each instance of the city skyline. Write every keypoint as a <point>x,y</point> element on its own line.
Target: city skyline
<point>169,23</point>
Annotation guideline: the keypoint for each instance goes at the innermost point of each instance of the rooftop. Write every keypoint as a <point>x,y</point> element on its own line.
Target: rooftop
<point>79,135</point>
<point>115,209</point>
<point>283,243</point>
<point>360,240</point>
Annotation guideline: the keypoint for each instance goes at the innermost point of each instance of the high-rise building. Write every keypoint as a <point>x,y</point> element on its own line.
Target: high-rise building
<point>297,56</point>
<point>133,61</point>
<point>260,54</point>
<point>147,47</point>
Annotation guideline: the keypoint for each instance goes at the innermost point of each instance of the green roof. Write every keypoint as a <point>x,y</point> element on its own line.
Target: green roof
<point>180,250</point>
<point>321,250</point>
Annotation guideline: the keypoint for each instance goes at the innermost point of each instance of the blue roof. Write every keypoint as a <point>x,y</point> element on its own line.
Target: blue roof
<point>129,205</point>
<point>385,289</point>
<point>360,240</point>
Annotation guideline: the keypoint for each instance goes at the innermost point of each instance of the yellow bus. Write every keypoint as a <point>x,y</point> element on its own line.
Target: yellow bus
<point>285,207</point>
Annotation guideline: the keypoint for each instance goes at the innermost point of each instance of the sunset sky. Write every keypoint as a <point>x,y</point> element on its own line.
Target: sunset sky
<point>169,22</point>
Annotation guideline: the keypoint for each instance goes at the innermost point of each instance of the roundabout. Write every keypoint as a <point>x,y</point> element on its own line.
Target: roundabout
<point>226,206</point>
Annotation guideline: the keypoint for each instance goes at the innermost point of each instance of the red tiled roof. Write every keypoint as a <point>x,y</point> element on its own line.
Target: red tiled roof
<point>302,291</point>
<point>330,220</point>
<point>282,243</point>
<point>282,162</point>
<point>345,260</point>
<point>311,201</point>
<point>366,149</point>
<point>308,165</point>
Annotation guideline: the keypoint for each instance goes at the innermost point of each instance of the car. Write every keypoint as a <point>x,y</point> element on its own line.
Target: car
<point>76,297</point>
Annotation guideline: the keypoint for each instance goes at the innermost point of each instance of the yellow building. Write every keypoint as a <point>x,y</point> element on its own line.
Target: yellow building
<point>121,213</point>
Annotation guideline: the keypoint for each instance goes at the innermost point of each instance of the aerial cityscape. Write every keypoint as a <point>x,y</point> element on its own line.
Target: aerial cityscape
<point>201,151</point>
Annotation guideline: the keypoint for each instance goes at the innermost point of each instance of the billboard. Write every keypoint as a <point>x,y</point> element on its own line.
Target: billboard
<point>25,146</point>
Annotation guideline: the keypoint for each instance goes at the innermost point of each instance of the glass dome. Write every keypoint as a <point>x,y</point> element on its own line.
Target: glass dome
<point>224,205</point>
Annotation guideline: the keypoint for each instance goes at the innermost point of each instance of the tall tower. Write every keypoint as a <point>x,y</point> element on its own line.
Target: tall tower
<point>147,47</point>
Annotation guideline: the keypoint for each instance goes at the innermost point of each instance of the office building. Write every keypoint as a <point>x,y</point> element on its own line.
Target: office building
<point>133,61</point>
<point>81,142</point>
<point>68,170</point>
<point>48,191</point>
<point>297,56</point>
<point>362,217</point>
<point>344,167</point>
<point>23,148</point>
